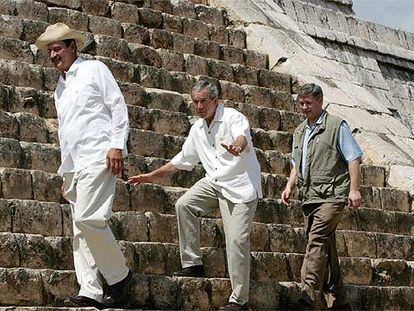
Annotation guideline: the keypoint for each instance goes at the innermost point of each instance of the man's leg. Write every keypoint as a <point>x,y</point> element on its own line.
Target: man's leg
<point>198,201</point>
<point>237,222</point>
<point>322,221</point>
<point>95,192</point>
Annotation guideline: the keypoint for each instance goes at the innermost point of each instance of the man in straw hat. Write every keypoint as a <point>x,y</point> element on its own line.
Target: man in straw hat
<point>93,129</point>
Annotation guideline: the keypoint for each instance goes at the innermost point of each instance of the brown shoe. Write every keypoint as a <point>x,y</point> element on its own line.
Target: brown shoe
<point>192,271</point>
<point>117,291</point>
<point>233,306</point>
<point>82,301</point>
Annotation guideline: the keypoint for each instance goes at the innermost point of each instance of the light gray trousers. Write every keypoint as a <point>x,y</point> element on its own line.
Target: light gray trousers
<point>198,201</point>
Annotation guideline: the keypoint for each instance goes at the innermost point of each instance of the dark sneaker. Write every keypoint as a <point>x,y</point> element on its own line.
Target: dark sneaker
<point>193,271</point>
<point>82,301</point>
<point>117,291</point>
<point>233,306</point>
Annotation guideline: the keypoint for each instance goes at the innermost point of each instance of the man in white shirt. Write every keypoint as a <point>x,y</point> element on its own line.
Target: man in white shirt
<point>221,141</point>
<point>93,129</point>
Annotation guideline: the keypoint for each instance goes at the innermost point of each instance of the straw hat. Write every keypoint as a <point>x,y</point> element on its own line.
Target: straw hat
<point>59,32</point>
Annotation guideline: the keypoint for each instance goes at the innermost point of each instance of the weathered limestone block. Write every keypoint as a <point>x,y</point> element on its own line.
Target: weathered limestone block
<point>278,162</point>
<point>258,96</point>
<point>32,128</point>
<point>350,220</point>
<point>256,59</point>
<point>9,128</point>
<point>138,294</point>
<point>231,91</point>
<point>359,244</point>
<point>16,183</point>
<point>32,29</point>
<point>281,140</point>
<point>6,215</point>
<point>172,258</point>
<point>395,200</point>
<point>151,258</point>
<point>20,286</point>
<point>161,39</point>
<point>125,13</point>
<point>394,246</point>
<point>62,253</point>
<point>269,266</point>
<point>219,34</point>
<point>144,55</point>
<point>146,143</point>
<point>195,65</point>
<point>259,237</point>
<point>162,228</point>
<point>212,232</point>
<point>261,139</point>
<point>52,129</point>
<point>244,75</point>
<point>275,80</point>
<point>122,71</point>
<point>290,120</point>
<point>9,250</point>
<point>74,19</point>
<point>155,77</point>
<point>71,4</point>
<point>66,220</point>
<point>136,33</point>
<point>195,29</point>
<point>33,217</point>
<point>221,290</point>
<point>214,261</point>
<point>139,117</point>
<point>164,293</point>
<point>97,7</point>
<point>58,285</point>
<point>183,44</point>
<point>295,262</point>
<point>20,74</point>
<point>35,252</point>
<point>11,48</point>
<point>160,5</point>
<point>250,111</point>
<point>270,119</point>
<point>11,26</point>
<point>185,9</point>
<point>356,270</point>
<point>122,200</point>
<point>232,55</point>
<point>172,61</point>
<point>264,295</point>
<point>274,185</point>
<point>172,145</point>
<point>370,197</point>
<point>105,26</point>
<point>148,197</point>
<point>237,38</point>
<point>51,76</point>
<point>285,239</point>
<point>194,293</point>
<point>210,15</point>
<point>220,70</point>
<point>373,175</point>
<point>206,48</point>
<point>175,123</point>
<point>172,23</point>
<point>10,153</point>
<point>112,47</point>
<point>134,94</point>
<point>131,226</point>
<point>391,272</point>
<point>166,100</point>
<point>150,18</point>
<point>44,157</point>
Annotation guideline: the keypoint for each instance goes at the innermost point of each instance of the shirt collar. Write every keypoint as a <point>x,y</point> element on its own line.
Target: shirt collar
<point>72,69</point>
<point>318,122</point>
<point>218,116</point>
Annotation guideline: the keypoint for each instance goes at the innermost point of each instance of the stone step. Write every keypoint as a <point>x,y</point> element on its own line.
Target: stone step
<point>54,219</point>
<point>38,252</point>
<point>34,287</point>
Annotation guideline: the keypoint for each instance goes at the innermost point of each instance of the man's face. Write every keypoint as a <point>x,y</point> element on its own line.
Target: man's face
<point>204,106</point>
<point>311,107</point>
<point>61,56</point>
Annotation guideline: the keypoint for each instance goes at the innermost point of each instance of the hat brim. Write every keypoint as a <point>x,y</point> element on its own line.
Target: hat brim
<point>45,39</point>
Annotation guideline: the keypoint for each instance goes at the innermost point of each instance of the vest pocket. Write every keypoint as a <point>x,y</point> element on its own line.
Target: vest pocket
<point>322,186</point>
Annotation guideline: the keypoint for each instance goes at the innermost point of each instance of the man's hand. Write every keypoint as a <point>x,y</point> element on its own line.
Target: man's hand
<point>233,149</point>
<point>114,161</point>
<point>354,199</point>
<point>285,196</point>
<point>140,179</point>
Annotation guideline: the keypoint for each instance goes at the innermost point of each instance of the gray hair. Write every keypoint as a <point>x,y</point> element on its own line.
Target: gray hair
<point>311,89</point>
<point>204,84</point>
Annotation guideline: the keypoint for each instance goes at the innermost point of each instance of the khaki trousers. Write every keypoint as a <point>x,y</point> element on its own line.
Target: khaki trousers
<point>95,250</point>
<point>198,201</point>
<point>320,273</point>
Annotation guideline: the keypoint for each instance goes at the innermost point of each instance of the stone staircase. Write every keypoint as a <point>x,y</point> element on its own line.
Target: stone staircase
<point>157,49</point>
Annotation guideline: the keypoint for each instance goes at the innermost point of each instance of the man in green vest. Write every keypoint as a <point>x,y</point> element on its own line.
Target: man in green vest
<point>325,167</point>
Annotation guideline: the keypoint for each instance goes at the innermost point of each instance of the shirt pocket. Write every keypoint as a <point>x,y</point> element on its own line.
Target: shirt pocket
<point>322,186</point>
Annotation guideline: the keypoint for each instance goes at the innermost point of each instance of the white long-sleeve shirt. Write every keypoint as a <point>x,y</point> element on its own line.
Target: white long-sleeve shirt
<point>236,178</point>
<point>92,115</point>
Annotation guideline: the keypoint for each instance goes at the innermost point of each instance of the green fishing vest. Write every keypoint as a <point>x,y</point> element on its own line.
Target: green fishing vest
<point>326,177</point>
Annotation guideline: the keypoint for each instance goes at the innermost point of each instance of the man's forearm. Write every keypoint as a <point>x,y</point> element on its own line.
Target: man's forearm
<point>354,175</point>
<point>164,170</point>
<point>292,179</point>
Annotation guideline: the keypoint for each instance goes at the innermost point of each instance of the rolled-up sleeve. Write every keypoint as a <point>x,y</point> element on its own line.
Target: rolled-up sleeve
<point>239,126</point>
<point>188,157</point>
<point>115,101</point>
<point>347,145</point>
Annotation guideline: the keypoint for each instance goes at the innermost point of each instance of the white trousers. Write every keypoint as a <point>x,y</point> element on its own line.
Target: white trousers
<point>198,201</point>
<point>95,251</point>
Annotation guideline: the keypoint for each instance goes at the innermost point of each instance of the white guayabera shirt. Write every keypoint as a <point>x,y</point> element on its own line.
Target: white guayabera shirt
<point>236,178</point>
<point>92,115</point>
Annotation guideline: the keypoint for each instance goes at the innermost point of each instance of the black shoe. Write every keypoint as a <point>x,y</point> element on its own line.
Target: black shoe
<point>82,301</point>
<point>341,307</point>
<point>116,292</point>
<point>193,271</point>
<point>232,306</point>
<point>300,305</point>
